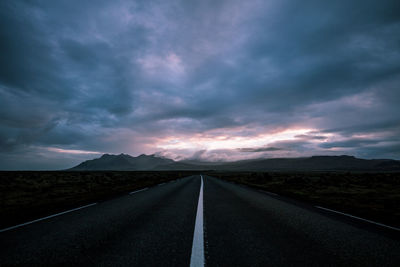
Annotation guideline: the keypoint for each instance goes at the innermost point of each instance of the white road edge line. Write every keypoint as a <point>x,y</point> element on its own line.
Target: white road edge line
<point>133,192</point>
<point>197,258</point>
<point>161,184</point>
<point>269,193</point>
<point>362,219</point>
<point>44,218</point>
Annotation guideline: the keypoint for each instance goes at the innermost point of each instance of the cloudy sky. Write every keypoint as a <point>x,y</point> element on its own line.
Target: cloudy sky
<point>210,80</point>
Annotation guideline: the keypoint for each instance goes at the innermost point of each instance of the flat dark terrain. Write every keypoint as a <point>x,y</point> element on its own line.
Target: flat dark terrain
<point>371,195</point>
<point>242,227</point>
<point>28,195</point>
<point>245,227</point>
<point>149,228</point>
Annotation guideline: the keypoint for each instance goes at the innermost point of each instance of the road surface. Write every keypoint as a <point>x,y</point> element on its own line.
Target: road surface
<point>166,226</point>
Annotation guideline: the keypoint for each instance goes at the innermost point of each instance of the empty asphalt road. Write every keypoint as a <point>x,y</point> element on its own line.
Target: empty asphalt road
<point>167,226</point>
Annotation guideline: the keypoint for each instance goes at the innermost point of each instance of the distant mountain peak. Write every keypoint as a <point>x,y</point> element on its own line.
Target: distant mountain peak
<point>123,162</point>
<point>124,155</point>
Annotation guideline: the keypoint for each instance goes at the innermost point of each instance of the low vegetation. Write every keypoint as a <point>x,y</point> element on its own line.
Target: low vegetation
<point>29,195</point>
<point>374,196</point>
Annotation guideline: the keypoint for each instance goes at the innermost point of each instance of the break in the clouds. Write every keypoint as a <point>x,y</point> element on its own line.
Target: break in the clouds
<point>209,80</point>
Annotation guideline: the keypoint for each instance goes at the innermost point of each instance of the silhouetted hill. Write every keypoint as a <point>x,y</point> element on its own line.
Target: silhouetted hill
<point>122,162</point>
<point>315,163</point>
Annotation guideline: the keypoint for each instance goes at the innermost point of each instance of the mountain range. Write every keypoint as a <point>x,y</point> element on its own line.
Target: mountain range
<point>124,162</point>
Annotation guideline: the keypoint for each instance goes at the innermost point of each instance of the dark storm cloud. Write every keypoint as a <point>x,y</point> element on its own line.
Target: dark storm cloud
<point>392,126</point>
<point>121,75</point>
<point>259,149</point>
<point>311,137</point>
<point>385,151</point>
<point>356,142</point>
<point>296,145</point>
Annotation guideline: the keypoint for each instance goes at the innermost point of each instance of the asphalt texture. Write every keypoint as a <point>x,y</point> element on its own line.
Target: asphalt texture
<point>149,228</point>
<point>242,227</point>
<point>245,227</point>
